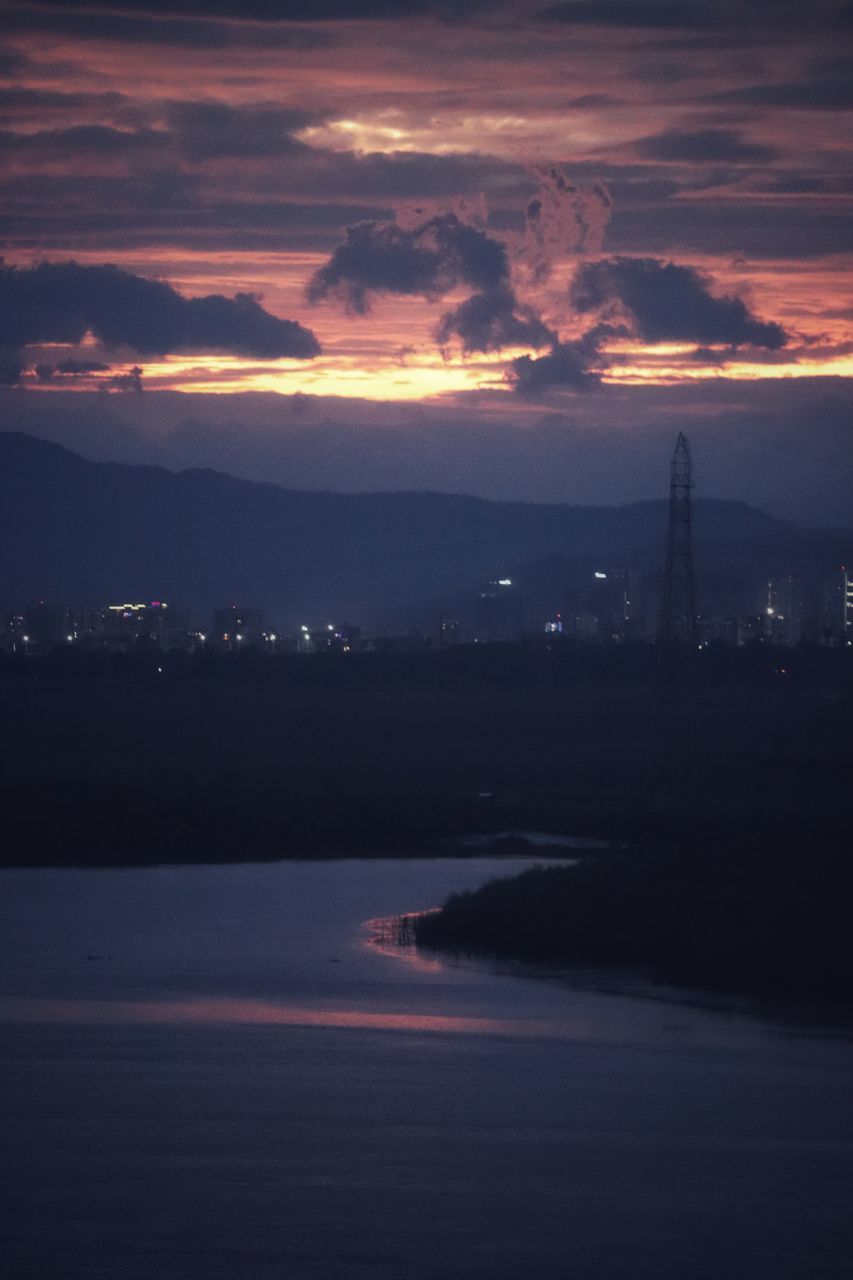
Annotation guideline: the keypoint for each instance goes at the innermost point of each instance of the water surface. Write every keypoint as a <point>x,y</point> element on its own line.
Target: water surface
<point>210,1072</point>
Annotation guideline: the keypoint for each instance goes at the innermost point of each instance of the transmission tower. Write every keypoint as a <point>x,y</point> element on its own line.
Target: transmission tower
<point>678,606</point>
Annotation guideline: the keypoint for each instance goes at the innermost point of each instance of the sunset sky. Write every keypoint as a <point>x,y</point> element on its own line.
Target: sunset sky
<point>473,246</point>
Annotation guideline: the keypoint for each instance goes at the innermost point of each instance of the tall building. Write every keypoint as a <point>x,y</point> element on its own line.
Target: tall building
<point>42,625</point>
<point>606,605</point>
<point>498,611</point>
<point>784,611</point>
<point>83,623</point>
<point>153,622</point>
<point>846,603</point>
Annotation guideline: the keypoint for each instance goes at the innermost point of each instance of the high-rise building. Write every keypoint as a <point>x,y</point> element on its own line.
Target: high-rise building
<point>606,605</point>
<point>498,611</point>
<point>153,622</point>
<point>846,603</point>
<point>784,610</point>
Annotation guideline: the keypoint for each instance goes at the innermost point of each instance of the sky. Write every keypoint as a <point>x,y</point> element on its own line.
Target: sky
<point>501,248</point>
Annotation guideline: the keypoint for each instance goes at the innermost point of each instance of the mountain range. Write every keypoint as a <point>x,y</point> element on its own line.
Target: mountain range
<point>76,531</point>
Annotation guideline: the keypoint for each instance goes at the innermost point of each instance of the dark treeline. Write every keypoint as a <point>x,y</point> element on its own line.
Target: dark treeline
<point>752,918</point>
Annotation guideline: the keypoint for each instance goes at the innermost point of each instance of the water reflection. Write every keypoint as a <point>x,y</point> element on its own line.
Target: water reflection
<point>236,1012</point>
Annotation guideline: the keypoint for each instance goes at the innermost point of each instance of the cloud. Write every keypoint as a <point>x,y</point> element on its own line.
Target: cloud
<point>668,302</point>
<point>282,11</point>
<point>562,218</point>
<point>212,130</point>
<point>734,17</point>
<point>652,14</point>
<point>158,26</point>
<point>11,367</point>
<point>704,146</point>
<point>829,93</point>
<point>45,372</point>
<point>755,227</point>
<point>493,320</point>
<point>575,365</point>
<point>18,98</point>
<point>63,301</point>
<point>13,63</point>
<point>87,139</point>
<point>430,260</point>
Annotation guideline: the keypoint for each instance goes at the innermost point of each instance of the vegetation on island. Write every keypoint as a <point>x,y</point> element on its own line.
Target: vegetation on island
<point>755,920</point>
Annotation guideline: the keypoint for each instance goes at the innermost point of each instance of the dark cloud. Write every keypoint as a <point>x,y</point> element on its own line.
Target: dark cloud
<point>319,190</point>
<point>12,63</point>
<point>831,93</point>
<point>157,26</point>
<point>653,14</point>
<point>494,320</point>
<point>703,146</point>
<point>45,372</point>
<point>283,11</point>
<point>431,259</point>
<point>162,208</point>
<point>593,102</point>
<point>754,227</point>
<point>668,302</point>
<point>130,381</point>
<point>85,138</point>
<point>55,100</point>
<point>733,17</point>
<point>11,367</point>
<point>212,130</point>
<point>398,175</point>
<point>62,301</point>
<point>574,366</point>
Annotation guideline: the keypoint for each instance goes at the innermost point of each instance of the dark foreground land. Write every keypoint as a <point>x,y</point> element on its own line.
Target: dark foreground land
<point>109,760</point>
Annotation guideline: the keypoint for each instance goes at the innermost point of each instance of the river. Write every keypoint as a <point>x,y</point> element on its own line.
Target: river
<point>211,1072</point>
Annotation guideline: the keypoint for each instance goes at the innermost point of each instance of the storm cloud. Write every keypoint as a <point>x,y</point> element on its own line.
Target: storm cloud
<point>668,302</point>
<point>494,320</point>
<point>704,146</point>
<point>576,365</point>
<point>429,260</point>
<point>63,301</point>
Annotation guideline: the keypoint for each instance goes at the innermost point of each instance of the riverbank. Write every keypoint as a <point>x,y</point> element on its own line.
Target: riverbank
<point>763,921</point>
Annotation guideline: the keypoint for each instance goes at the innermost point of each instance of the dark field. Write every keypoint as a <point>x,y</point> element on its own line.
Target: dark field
<point>116,762</point>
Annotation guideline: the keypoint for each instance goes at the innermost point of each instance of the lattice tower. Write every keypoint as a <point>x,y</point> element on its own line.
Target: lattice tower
<point>678,606</point>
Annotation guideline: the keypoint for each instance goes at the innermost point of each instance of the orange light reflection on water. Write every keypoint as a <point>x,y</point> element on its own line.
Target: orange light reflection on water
<point>232,1011</point>
<point>385,936</point>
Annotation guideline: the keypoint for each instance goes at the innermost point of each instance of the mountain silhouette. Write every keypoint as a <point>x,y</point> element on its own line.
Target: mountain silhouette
<point>76,531</point>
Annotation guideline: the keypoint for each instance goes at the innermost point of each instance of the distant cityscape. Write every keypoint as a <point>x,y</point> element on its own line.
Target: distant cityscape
<point>607,607</point>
